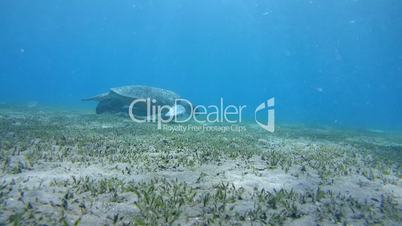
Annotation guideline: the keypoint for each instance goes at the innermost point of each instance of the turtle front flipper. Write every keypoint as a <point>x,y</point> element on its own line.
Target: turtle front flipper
<point>110,106</point>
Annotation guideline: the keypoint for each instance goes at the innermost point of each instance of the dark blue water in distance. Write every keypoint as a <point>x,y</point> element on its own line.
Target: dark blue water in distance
<point>336,63</point>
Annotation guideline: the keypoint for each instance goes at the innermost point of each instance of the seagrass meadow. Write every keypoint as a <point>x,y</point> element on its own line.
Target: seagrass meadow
<point>77,168</point>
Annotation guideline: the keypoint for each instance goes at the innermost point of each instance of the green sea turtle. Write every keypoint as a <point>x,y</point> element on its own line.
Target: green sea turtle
<point>118,100</point>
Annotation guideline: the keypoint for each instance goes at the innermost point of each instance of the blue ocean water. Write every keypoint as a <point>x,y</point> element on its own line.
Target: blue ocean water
<point>333,63</point>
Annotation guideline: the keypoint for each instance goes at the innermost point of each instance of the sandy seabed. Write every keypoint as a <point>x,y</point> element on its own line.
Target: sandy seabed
<point>76,168</point>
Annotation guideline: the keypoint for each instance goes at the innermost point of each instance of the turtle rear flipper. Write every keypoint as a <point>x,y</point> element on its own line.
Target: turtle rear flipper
<point>98,98</point>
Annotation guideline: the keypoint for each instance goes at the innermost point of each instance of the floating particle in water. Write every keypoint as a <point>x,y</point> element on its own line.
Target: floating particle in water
<point>320,90</point>
<point>266,13</point>
<point>22,50</point>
